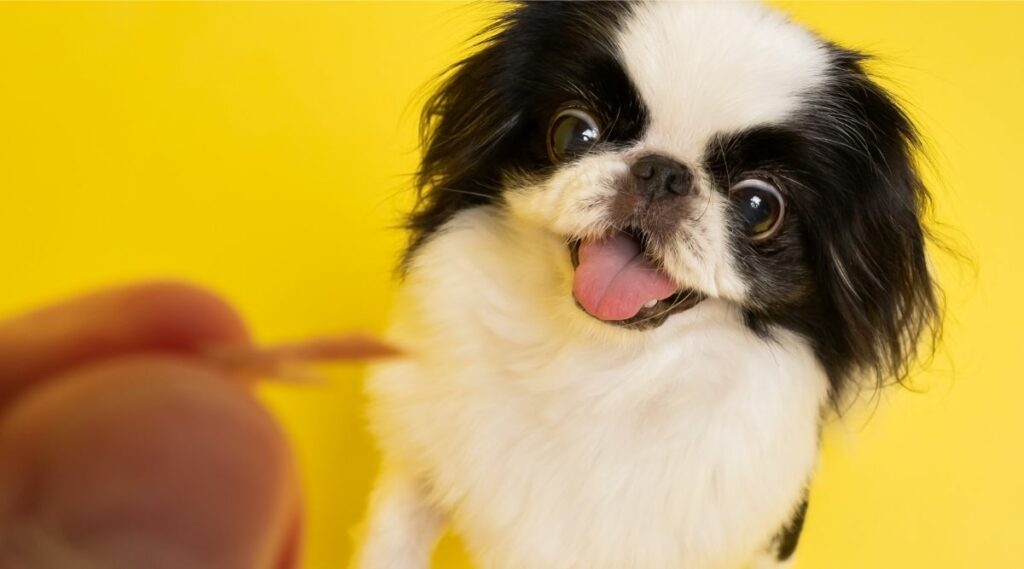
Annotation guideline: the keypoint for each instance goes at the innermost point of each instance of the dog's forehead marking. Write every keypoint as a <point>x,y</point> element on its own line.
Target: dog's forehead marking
<point>705,68</point>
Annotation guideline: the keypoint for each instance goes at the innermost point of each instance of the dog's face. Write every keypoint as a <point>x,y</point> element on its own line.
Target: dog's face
<point>687,151</point>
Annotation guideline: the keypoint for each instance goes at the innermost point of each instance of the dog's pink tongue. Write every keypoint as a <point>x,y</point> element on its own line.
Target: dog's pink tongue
<point>614,280</point>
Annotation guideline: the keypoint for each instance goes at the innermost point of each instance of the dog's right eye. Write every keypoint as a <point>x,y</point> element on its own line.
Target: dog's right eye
<point>572,132</point>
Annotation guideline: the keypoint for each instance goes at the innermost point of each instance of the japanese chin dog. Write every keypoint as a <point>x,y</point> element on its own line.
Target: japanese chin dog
<point>656,244</point>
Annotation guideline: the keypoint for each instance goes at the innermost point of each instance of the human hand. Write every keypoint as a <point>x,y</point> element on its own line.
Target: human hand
<point>124,445</point>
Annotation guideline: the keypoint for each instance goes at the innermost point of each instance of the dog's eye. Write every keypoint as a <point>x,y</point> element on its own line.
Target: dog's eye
<point>572,132</point>
<point>760,205</point>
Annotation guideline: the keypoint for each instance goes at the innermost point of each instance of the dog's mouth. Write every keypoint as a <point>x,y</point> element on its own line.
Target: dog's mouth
<point>617,281</point>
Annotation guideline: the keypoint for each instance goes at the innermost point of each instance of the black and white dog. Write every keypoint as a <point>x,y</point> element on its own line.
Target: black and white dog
<point>656,243</point>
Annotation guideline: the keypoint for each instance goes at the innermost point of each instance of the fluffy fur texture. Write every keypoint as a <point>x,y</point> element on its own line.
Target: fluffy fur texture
<point>683,437</point>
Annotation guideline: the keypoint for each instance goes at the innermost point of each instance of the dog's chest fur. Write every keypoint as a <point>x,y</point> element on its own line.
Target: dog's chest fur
<point>556,441</point>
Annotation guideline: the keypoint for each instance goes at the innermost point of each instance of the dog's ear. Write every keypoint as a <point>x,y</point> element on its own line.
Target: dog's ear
<point>871,243</point>
<point>464,131</point>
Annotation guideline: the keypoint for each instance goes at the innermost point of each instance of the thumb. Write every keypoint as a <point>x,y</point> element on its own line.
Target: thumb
<point>145,461</point>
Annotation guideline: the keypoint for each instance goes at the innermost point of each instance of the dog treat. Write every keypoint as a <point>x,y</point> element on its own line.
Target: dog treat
<point>293,360</point>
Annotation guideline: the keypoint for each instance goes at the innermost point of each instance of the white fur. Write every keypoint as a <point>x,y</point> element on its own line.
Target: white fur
<point>405,526</point>
<point>553,441</point>
<point>575,203</point>
<point>709,67</point>
<point>770,562</point>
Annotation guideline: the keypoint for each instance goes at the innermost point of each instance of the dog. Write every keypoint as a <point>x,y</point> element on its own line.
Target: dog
<point>656,245</point>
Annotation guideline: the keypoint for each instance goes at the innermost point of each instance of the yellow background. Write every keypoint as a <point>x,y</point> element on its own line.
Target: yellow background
<point>263,150</point>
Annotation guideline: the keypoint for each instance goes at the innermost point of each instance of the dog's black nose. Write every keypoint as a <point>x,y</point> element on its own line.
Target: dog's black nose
<point>657,175</point>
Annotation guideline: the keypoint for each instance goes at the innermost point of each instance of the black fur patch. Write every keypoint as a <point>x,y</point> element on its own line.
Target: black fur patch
<point>785,543</point>
<point>848,270</point>
<point>490,116</point>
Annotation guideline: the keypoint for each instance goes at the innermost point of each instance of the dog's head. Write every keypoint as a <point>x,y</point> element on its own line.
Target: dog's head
<point>688,151</point>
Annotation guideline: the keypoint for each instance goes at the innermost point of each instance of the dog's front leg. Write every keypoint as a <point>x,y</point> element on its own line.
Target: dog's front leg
<point>402,526</point>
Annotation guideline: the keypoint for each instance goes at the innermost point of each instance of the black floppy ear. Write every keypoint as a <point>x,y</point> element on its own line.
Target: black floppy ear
<point>465,129</point>
<point>872,246</point>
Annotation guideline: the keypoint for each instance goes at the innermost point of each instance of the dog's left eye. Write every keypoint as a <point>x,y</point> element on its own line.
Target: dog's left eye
<point>761,206</point>
<point>572,132</point>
